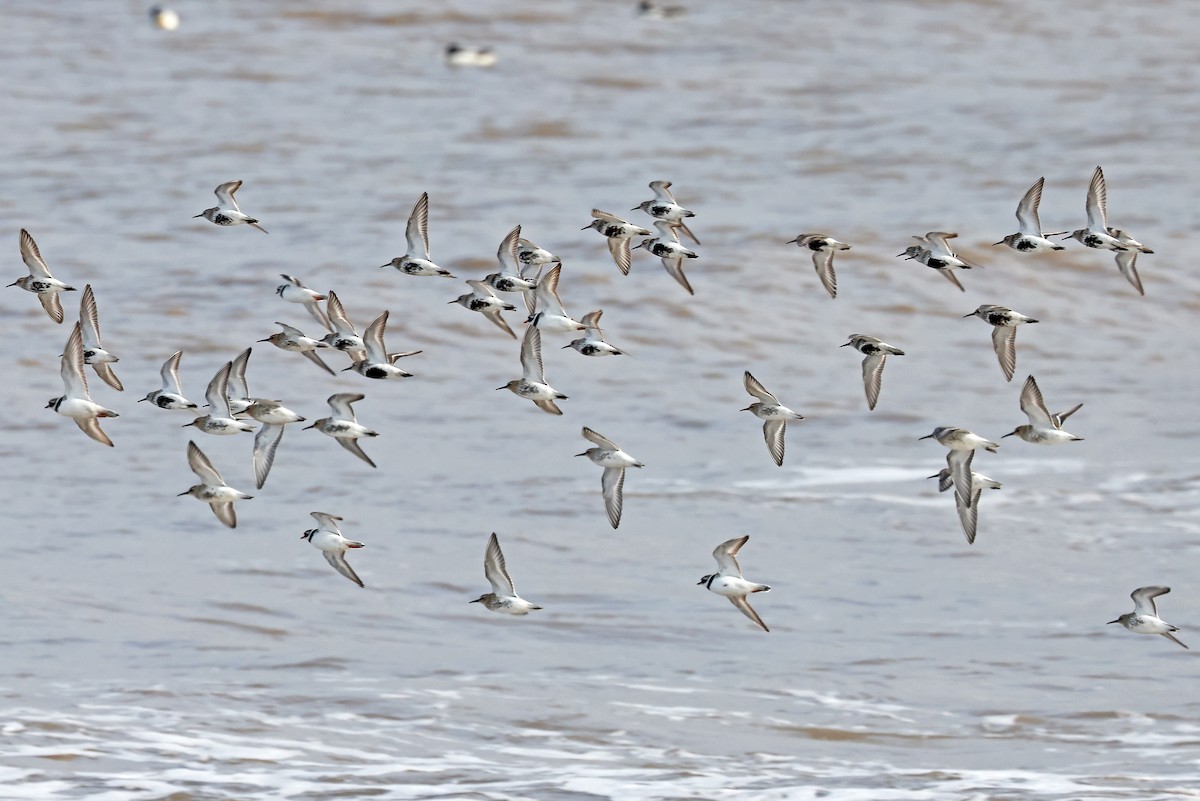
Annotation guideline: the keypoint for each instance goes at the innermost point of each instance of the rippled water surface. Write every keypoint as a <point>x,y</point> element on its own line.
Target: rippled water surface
<point>152,655</point>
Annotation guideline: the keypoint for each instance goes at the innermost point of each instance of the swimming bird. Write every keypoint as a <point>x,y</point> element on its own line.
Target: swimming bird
<point>1004,322</point>
<point>94,352</point>
<point>666,246</point>
<point>220,419</point>
<point>171,394</point>
<point>327,538</point>
<point>875,351</point>
<point>1029,235</point>
<point>40,281</point>
<point>822,247</point>
<point>1097,234</point>
<point>227,211</point>
<point>274,416</point>
<point>962,445</point>
<point>968,513</point>
<point>532,383</point>
<point>548,313</point>
<point>728,580</point>
<point>344,426</point>
<point>378,363</point>
<point>775,416</point>
<point>294,291</point>
<point>510,279</point>
<point>664,207</point>
<point>609,455</point>
<point>343,337</point>
<point>77,402</point>
<point>294,340</point>
<point>1043,428</point>
<point>503,597</point>
<point>482,299</point>
<point>592,342</point>
<point>652,9</point>
<point>415,260</point>
<point>469,56</point>
<point>618,232</point>
<point>1144,618</point>
<point>164,18</point>
<point>212,489</point>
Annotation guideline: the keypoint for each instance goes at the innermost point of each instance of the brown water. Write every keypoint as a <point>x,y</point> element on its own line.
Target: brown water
<point>152,654</point>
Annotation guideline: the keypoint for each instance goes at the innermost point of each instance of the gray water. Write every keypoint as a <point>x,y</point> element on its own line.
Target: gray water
<point>152,655</point>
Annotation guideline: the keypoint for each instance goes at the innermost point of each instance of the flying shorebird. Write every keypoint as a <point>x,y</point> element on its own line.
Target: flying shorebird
<point>227,211</point>
<point>220,419</point>
<point>1029,235</point>
<point>774,415</point>
<point>728,580</point>
<point>327,538</point>
<point>609,455</point>
<point>532,383</point>
<point>503,598</point>
<point>482,299</point>
<point>962,445</point>
<point>875,351</point>
<point>294,291</point>
<point>212,489</point>
<point>592,342</point>
<point>1004,322</point>
<point>415,260</point>
<point>666,246</point>
<point>1043,428</point>
<point>618,233</point>
<point>377,362</point>
<point>664,207</point>
<point>344,426</point>
<point>40,281</point>
<point>77,402</point>
<point>344,337</point>
<point>94,352</point>
<point>530,255</point>
<point>547,312</point>
<point>238,391</point>
<point>1097,234</point>
<point>1144,618</point>
<point>968,513</point>
<point>294,340</point>
<point>274,416</point>
<point>171,394</point>
<point>934,251</point>
<point>510,277</point>
<point>1127,259</point>
<point>822,247</point>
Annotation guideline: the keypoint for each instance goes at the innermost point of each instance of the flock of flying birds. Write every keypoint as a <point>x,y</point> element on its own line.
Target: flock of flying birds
<point>534,273</point>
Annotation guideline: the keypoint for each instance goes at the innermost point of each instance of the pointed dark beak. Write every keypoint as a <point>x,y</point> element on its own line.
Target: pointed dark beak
<point>1001,242</point>
<point>194,216</point>
<point>14,283</point>
<point>141,399</point>
<point>744,410</point>
<point>268,339</point>
<point>1009,434</point>
<point>189,492</point>
<point>477,600</point>
<point>1118,620</point>
<point>848,343</point>
<point>500,388</point>
<point>965,316</point>
<point>582,454</point>
<point>927,436</point>
<point>314,425</point>
<point>792,241</point>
